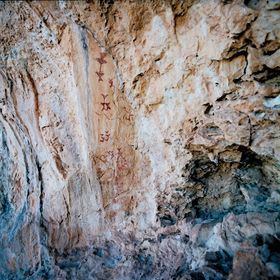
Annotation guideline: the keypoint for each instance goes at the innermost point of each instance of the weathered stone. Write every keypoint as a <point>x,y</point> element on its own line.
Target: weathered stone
<point>246,265</point>
<point>139,139</point>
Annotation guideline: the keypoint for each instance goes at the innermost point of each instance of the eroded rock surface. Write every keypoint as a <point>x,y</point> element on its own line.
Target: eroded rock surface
<point>139,139</point>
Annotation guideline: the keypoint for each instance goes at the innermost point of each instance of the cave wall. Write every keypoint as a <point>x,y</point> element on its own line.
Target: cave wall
<point>139,139</point>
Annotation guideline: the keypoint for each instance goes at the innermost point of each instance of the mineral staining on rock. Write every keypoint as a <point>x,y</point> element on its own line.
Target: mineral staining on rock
<point>139,140</point>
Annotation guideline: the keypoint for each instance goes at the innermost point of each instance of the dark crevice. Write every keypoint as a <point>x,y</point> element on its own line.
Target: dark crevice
<point>266,74</point>
<point>223,97</point>
<point>236,54</point>
<point>136,79</point>
<point>204,193</point>
<point>42,194</point>
<point>208,109</point>
<point>270,52</point>
<point>44,268</point>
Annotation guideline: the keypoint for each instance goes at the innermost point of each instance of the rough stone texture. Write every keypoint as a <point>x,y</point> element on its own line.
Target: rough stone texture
<point>139,139</point>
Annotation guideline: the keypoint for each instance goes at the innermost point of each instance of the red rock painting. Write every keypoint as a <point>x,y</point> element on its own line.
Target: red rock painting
<point>101,60</point>
<point>104,137</point>
<point>113,158</point>
<point>105,104</point>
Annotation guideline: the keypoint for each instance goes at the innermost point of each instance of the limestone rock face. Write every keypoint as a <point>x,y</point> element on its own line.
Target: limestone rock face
<point>139,139</point>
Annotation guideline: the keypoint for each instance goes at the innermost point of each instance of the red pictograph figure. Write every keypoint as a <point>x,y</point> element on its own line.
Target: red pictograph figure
<point>105,105</point>
<point>101,60</point>
<point>119,154</point>
<point>111,83</point>
<point>111,154</point>
<point>100,74</point>
<point>121,160</point>
<point>104,137</point>
<point>103,158</point>
<point>128,116</point>
<point>116,160</point>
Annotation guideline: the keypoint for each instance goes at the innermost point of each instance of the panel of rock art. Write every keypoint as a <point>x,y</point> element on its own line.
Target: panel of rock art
<point>111,122</point>
<point>139,139</point>
<point>83,172</point>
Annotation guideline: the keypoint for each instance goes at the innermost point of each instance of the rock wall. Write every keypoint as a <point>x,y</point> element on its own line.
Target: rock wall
<point>139,139</point>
